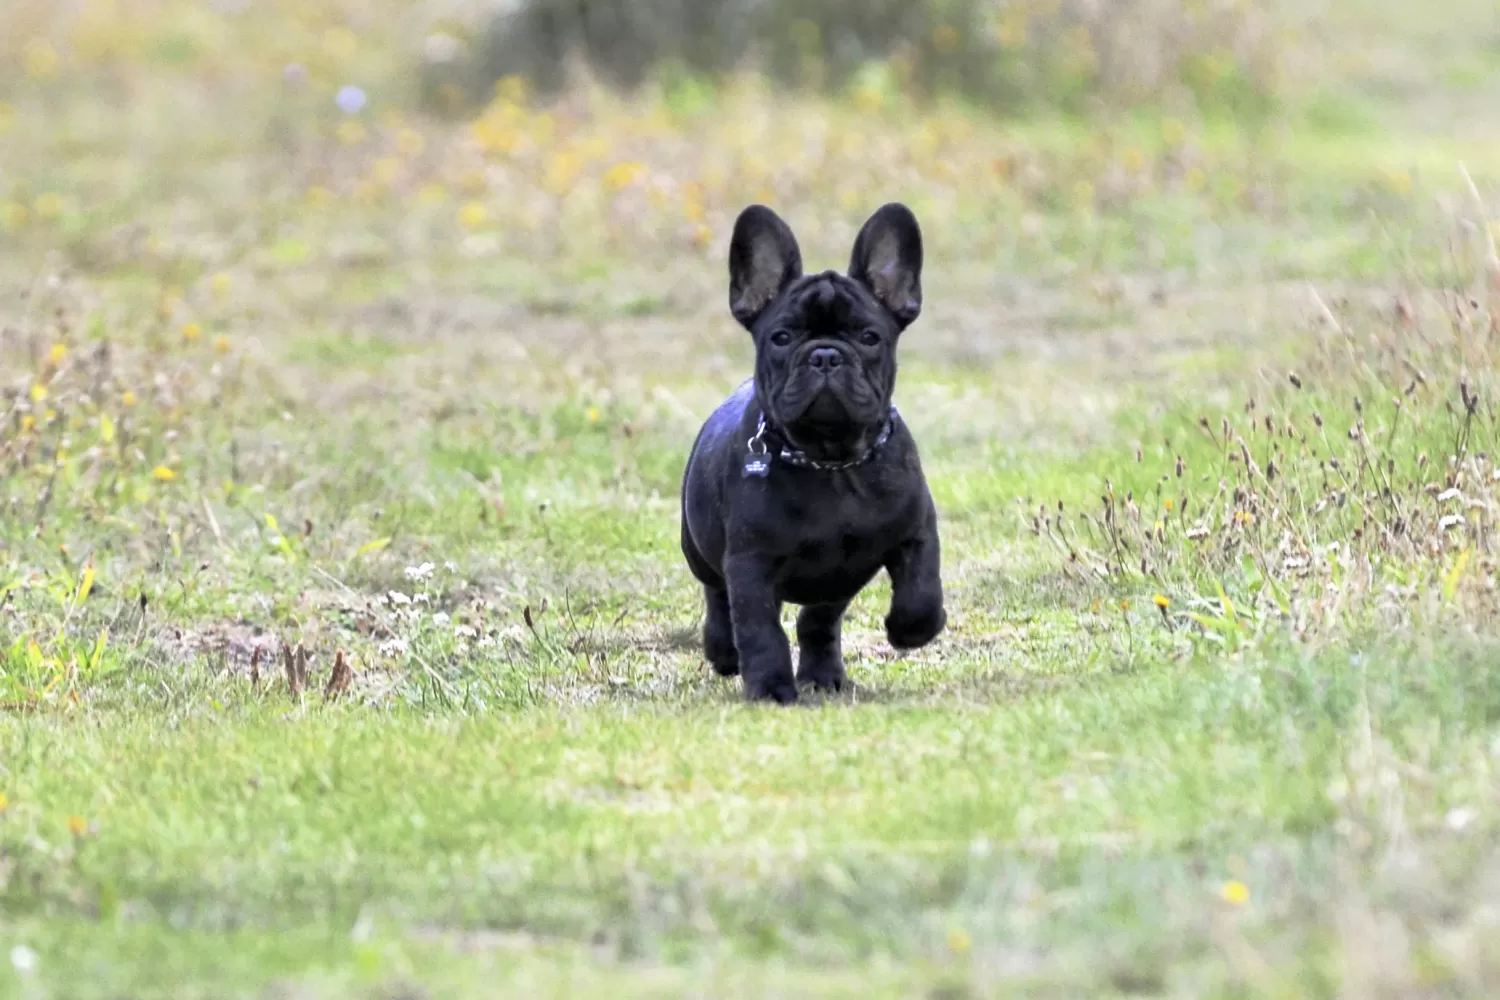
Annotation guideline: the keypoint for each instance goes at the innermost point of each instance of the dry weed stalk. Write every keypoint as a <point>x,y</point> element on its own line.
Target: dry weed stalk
<point>339,679</point>
<point>295,662</point>
<point>1401,501</point>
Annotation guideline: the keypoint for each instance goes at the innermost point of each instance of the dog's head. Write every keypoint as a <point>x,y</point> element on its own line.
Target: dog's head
<point>825,344</point>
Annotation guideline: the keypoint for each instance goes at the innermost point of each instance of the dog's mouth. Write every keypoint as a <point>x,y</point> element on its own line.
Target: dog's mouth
<point>830,417</point>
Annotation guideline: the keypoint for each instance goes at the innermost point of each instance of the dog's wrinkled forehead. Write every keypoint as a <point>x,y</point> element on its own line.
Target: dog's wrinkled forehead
<point>827,301</point>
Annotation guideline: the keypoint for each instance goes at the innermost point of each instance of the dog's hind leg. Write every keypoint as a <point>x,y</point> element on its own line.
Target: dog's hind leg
<point>718,633</point>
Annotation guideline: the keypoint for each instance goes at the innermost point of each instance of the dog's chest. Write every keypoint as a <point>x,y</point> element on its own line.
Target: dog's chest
<point>832,537</point>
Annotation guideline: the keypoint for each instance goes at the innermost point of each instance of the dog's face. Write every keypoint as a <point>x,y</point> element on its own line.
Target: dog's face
<point>825,344</point>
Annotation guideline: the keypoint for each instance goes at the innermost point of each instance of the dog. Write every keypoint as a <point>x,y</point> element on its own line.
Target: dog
<point>806,482</point>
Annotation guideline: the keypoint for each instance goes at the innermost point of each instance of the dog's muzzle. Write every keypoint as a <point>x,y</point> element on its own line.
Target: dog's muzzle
<point>825,360</point>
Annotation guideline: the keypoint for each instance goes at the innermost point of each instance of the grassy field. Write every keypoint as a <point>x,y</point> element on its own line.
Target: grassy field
<point>346,649</point>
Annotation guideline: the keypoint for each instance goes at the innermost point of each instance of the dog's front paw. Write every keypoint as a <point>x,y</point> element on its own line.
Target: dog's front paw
<point>823,670</point>
<point>915,628</point>
<point>778,688</point>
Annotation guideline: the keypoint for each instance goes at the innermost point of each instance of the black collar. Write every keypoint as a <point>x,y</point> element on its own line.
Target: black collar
<point>758,464</point>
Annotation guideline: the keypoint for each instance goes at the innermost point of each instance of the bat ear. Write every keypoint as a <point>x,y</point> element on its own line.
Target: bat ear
<point>763,260</point>
<point>887,260</point>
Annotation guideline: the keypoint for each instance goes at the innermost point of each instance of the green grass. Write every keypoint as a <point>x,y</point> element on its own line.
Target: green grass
<point>420,397</point>
<point>1004,821</point>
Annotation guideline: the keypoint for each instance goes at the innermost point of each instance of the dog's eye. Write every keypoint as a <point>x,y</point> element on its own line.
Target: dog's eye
<point>781,338</point>
<point>869,338</point>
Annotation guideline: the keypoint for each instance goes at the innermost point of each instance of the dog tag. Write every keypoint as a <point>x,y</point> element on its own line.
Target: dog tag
<point>758,466</point>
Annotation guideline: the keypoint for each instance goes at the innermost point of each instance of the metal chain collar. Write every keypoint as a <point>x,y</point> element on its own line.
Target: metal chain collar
<point>795,457</point>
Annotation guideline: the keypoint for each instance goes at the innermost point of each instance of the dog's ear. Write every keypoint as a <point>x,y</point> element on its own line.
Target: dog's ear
<point>763,259</point>
<point>887,260</point>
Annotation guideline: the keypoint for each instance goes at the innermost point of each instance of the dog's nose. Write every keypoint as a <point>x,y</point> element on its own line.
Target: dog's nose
<point>825,359</point>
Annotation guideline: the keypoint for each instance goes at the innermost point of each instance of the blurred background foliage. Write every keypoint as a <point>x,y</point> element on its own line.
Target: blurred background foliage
<point>1230,56</point>
<point>1102,134</point>
<point>1009,56</point>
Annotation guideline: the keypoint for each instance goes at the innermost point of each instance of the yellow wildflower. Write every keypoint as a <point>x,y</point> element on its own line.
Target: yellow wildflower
<point>40,59</point>
<point>1011,33</point>
<point>512,90</point>
<point>1235,892</point>
<point>387,171</point>
<point>170,301</point>
<point>163,474</point>
<point>191,332</point>
<point>1083,194</point>
<point>409,142</point>
<point>472,215</point>
<point>48,206</point>
<point>622,175</point>
<point>1162,601</point>
<point>127,399</point>
<point>339,43</point>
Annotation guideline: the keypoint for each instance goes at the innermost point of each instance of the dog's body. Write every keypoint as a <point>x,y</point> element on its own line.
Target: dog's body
<point>805,482</point>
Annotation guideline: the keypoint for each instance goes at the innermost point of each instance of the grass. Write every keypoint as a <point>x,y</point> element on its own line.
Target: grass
<point>1207,411</point>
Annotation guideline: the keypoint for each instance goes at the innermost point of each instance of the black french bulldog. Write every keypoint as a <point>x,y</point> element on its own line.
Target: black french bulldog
<point>806,482</point>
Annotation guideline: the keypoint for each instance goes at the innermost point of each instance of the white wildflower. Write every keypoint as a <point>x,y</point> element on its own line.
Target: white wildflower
<point>421,572</point>
<point>23,959</point>
<point>440,617</point>
<point>394,647</point>
<point>1458,819</point>
<point>351,99</point>
<point>398,598</point>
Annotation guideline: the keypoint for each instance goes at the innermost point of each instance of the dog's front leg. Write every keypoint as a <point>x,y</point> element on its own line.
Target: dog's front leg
<point>916,615</point>
<point>754,610</point>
